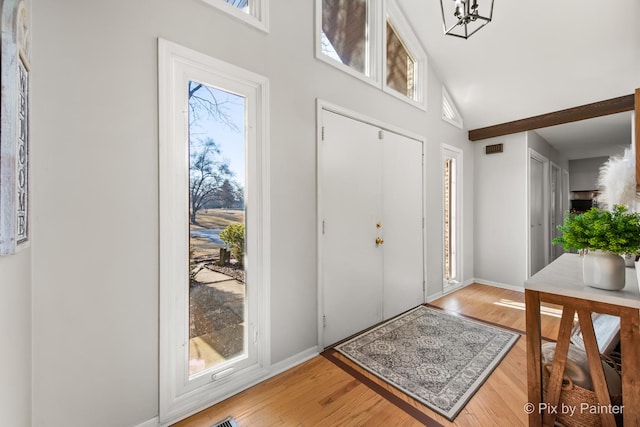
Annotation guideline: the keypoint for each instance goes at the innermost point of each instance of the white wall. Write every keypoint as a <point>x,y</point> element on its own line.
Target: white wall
<point>501,219</point>
<point>500,211</point>
<point>583,173</point>
<point>15,330</point>
<point>95,142</point>
<point>539,144</point>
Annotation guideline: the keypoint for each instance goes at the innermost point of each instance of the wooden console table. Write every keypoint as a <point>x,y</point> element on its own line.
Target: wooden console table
<point>561,283</point>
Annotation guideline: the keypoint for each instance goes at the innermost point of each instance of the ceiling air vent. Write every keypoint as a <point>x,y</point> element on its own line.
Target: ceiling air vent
<point>493,149</point>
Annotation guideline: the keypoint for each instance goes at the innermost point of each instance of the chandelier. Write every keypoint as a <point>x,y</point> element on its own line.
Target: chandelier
<point>463,18</point>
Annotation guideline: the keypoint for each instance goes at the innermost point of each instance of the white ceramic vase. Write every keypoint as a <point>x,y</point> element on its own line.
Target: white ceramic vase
<point>604,270</point>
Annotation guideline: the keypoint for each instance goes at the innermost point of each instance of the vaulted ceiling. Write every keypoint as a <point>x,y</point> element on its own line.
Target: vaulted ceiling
<point>534,57</point>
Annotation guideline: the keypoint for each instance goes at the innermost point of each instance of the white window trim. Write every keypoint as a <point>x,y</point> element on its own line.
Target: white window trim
<point>257,17</point>
<point>181,396</point>
<point>372,68</point>
<point>402,27</point>
<point>378,11</point>
<point>456,153</point>
<point>457,121</point>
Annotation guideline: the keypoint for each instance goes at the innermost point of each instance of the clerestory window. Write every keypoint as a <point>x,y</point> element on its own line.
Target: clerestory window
<point>405,60</point>
<point>253,12</point>
<point>347,32</point>
<point>371,40</point>
<point>450,113</point>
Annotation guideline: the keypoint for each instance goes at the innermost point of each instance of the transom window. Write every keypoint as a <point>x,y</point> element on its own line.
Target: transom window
<point>344,32</point>
<point>371,40</point>
<point>253,12</point>
<point>240,4</point>
<point>450,113</point>
<point>400,65</point>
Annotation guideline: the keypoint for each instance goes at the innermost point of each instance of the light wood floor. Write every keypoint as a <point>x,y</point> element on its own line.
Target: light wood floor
<point>319,393</point>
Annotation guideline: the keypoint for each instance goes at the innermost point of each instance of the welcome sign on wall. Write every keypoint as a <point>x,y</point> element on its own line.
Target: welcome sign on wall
<point>14,137</point>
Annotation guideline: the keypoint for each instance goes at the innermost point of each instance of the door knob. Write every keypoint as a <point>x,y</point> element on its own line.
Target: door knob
<point>379,241</point>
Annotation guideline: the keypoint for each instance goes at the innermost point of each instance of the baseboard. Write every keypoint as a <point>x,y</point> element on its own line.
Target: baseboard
<point>446,291</point>
<point>154,422</point>
<point>434,297</point>
<point>275,369</point>
<point>499,285</point>
<point>293,361</point>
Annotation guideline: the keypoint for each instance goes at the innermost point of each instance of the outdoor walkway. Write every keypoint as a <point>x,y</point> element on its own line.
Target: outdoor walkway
<point>216,310</point>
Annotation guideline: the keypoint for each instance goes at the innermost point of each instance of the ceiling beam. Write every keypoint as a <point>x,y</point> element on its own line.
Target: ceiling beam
<point>588,111</point>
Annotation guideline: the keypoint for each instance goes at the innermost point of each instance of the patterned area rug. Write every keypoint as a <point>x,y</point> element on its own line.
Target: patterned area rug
<point>435,357</point>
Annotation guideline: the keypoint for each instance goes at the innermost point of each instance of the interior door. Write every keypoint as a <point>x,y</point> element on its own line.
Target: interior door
<point>402,224</point>
<point>351,197</point>
<point>536,215</point>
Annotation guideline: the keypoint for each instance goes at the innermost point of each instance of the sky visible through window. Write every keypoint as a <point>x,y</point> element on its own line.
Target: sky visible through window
<point>229,133</point>
<point>240,4</point>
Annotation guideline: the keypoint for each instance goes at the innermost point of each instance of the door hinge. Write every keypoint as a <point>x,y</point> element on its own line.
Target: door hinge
<point>324,320</point>
<point>323,228</point>
<point>380,134</point>
<point>322,133</point>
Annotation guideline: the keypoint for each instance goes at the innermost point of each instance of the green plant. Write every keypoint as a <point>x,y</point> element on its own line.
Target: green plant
<point>616,231</point>
<point>233,237</point>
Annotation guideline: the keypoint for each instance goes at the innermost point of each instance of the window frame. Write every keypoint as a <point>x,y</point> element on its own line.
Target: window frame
<point>407,36</point>
<point>372,72</point>
<point>257,17</point>
<point>180,394</point>
<point>378,11</point>
<point>457,120</point>
<point>449,151</point>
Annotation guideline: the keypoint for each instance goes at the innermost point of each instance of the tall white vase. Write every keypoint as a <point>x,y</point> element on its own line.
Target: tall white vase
<point>604,270</point>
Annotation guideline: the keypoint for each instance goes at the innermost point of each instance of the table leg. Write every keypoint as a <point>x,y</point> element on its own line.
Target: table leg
<point>534,359</point>
<point>554,385</point>
<point>630,351</point>
<point>595,366</point>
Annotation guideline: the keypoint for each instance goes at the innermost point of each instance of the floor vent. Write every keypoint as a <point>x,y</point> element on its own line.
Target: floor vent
<point>229,422</point>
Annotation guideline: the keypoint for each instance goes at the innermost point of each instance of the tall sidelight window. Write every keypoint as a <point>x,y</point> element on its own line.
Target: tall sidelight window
<point>217,298</point>
<point>452,224</point>
<point>213,254</point>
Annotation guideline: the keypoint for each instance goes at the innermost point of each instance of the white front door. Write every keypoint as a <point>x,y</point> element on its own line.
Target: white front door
<point>372,235</point>
<point>351,194</point>
<point>402,226</point>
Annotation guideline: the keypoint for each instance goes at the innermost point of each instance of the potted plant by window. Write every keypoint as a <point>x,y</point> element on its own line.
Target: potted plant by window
<point>608,236</point>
